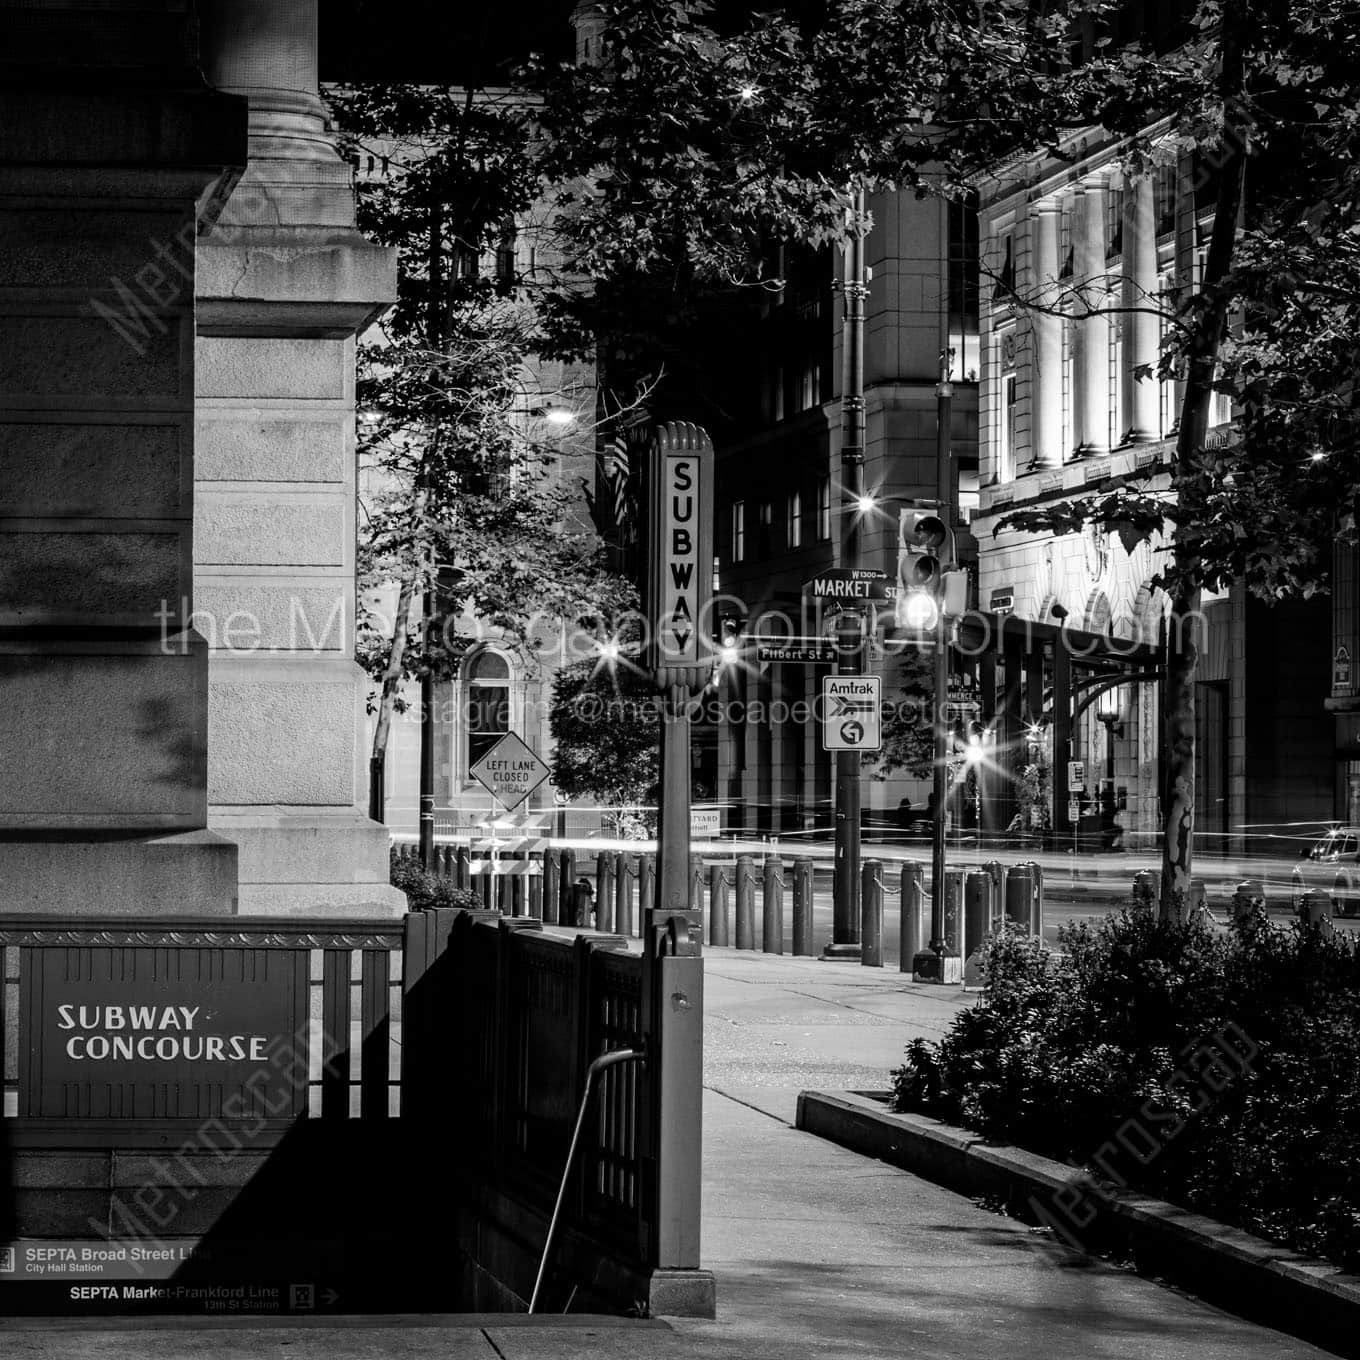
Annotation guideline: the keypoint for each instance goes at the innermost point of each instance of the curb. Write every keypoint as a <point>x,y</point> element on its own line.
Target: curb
<point>1235,1270</point>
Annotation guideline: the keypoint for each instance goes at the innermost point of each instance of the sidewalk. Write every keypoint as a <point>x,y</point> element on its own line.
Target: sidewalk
<point>819,1253</point>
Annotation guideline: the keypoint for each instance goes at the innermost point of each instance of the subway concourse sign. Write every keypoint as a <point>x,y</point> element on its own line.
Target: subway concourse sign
<point>510,771</point>
<point>850,713</point>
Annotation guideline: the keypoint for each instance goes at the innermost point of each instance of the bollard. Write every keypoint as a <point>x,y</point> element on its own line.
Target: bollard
<point>1146,889</point>
<point>551,887</point>
<point>1036,920</point>
<point>871,913</point>
<point>566,878</point>
<point>646,885</point>
<point>978,892</point>
<point>623,895</point>
<point>533,886</point>
<point>717,905</point>
<point>953,912</point>
<point>514,888</point>
<point>802,907</point>
<point>462,866</point>
<point>997,872</point>
<point>606,866</point>
<point>1248,902</point>
<point>913,916</point>
<point>696,885</point>
<point>1316,912</point>
<point>1197,902</point>
<point>772,915</point>
<point>746,902</point>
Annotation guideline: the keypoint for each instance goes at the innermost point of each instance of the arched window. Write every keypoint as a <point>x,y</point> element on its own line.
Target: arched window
<point>486,703</point>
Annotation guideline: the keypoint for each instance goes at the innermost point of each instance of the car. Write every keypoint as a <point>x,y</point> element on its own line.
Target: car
<point>1332,866</point>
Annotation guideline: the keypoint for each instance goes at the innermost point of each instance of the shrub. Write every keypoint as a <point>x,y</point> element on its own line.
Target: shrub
<point>424,890</point>
<point>1218,1071</point>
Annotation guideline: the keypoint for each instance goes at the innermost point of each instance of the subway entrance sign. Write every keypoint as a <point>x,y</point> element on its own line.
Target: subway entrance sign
<point>510,771</point>
<point>850,713</point>
<point>851,583</point>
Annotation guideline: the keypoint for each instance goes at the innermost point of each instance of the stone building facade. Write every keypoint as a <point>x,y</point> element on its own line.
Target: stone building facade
<point>1082,268</point>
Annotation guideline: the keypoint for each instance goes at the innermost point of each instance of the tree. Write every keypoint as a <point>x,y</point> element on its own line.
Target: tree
<point>464,514</point>
<point>909,722</point>
<point>606,725</point>
<point>707,133</point>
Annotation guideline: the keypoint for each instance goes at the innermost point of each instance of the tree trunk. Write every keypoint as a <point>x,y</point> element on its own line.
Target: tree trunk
<point>1207,322</point>
<point>396,659</point>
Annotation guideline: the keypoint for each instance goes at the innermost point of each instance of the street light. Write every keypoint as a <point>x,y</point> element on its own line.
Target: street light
<point>1110,715</point>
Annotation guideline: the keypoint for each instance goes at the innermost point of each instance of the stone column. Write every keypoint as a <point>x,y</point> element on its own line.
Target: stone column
<point>1047,377</point>
<point>113,156</point>
<point>1093,368</point>
<point>1142,331</point>
<point>285,284</point>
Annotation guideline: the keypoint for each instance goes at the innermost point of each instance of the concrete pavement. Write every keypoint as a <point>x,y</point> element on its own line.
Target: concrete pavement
<point>818,1252</point>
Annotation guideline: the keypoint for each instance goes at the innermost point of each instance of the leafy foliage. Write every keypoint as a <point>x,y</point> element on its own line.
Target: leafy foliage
<point>1117,1035</point>
<point>464,505</point>
<point>606,725</point>
<point>425,890</point>
<point>908,722</point>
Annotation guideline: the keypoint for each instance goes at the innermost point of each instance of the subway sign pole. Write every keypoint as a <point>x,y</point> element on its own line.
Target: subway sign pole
<point>679,599</point>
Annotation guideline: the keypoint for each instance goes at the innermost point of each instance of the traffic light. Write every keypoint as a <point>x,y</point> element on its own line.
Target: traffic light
<point>924,548</point>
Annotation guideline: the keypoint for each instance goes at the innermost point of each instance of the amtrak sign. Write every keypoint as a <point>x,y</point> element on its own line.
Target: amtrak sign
<point>681,553</point>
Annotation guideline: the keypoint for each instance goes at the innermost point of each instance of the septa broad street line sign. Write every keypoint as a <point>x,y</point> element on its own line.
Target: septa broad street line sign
<point>850,713</point>
<point>510,771</point>
<point>680,554</point>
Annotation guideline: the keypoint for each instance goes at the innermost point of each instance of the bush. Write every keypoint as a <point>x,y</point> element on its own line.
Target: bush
<point>425,890</point>
<point>1220,1072</point>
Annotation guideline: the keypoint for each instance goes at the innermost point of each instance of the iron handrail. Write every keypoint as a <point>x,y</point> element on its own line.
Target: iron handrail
<point>611,1059</point>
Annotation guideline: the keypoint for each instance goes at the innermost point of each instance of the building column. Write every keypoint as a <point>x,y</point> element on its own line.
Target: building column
<point>113,155</point>
<point>1047,379</point>
<point>285,284</point>
<point>1093,367</point>
<point>1142,330</point>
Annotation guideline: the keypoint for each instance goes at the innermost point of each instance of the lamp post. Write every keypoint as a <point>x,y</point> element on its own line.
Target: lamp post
<point>1110,715</point>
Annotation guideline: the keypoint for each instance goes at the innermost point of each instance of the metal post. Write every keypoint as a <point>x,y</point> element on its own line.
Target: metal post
<point>377,779</point>
<point>926,968</point>
<point>772,914</point>
<point>871,899</point>
<point>913,916</point>
<point>567,881</point>
<point>623,895</point>
<point>673,867</point>
<point>604,889</point>
<point>802,906</point>
<point>717,905</point>
<point>551,887</point>
<point>746,902</point>
<point>646,885</point>
<point>850,651</point>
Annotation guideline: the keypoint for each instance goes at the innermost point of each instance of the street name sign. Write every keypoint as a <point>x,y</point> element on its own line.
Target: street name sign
<point>817,651</point>
<point>510,771</point>
<point>851,583</point>
<point>850,713</point>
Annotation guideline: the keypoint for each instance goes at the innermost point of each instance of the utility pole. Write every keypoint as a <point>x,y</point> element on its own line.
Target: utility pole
<point>845,928</point>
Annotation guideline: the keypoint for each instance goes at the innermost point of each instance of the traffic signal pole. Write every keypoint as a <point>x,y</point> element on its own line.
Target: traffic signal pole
<point>845,925</point>
<point>944,487</point>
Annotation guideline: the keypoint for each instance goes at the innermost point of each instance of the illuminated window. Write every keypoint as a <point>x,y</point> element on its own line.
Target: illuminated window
<point>1005,450</point>
<point>824,508</point>
<point>795,521</point>
<point>739,531</point>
